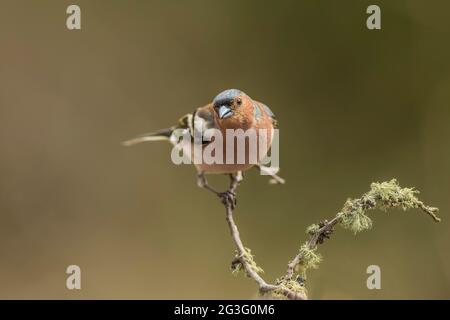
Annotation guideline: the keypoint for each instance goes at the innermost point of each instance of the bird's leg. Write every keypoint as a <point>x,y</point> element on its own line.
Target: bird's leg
<point>269,172</point>
<point>238,176</point>
<point>229,197</point>
<point>203,183</point>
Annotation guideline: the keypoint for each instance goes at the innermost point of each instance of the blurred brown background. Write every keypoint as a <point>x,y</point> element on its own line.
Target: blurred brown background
<point>354,106</point>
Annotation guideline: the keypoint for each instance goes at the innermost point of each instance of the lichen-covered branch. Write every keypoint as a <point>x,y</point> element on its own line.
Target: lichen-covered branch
<point>353,216</point>
<point>243,260</point>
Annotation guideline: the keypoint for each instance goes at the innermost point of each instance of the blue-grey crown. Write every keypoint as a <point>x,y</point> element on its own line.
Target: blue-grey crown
<point>226,97</point>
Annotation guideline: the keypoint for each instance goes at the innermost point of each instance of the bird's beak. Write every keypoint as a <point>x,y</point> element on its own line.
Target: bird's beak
<point>224,112</point>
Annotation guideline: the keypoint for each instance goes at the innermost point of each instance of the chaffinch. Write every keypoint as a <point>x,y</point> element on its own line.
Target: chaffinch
<point>230,111</point>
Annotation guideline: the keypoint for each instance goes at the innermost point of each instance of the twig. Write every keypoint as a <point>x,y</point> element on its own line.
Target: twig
<point>244,259</point>
<point>352,216</point>
<point>383,195</point>
<point>316,237</point>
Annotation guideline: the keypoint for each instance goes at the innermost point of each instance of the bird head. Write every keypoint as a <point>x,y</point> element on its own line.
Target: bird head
<point>232,104</point>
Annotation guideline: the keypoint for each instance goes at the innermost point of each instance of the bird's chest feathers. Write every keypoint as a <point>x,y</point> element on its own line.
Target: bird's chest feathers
<point>237,122</point>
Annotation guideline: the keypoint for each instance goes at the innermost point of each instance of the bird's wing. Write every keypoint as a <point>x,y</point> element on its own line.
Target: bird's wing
<point>164,134</point>
<point>269,113</point>
<point>196,123</point>
<point>202,120</point>
<point>185,121</point>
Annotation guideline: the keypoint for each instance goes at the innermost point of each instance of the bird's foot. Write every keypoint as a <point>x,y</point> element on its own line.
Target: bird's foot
<point>277,180</point>
<point>228,198</point>
<point>271,172</point>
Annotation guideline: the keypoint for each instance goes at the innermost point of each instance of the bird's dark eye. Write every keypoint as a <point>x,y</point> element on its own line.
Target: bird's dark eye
<point>239,101</point>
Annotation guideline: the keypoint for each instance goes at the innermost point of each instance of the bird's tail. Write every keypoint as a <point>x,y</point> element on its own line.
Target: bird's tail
<point>160,135</point>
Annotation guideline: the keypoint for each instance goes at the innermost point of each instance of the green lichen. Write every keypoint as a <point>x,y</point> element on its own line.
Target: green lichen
<point>353,217</point>
<point>310,259</point>
<point>236,265</point>
<point>384,196</point>
<point>289,284</point>
<point>391,195</point>
<point>312,229</point>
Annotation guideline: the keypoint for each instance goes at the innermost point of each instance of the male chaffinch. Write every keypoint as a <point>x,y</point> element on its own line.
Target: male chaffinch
<point>230,109</point>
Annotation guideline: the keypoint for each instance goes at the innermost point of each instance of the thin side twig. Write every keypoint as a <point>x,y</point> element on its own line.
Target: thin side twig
<point>313,241</point>
<point>353,216</point>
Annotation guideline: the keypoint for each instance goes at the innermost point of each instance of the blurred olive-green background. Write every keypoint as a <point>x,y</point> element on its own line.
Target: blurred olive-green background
<point>354,106</point>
